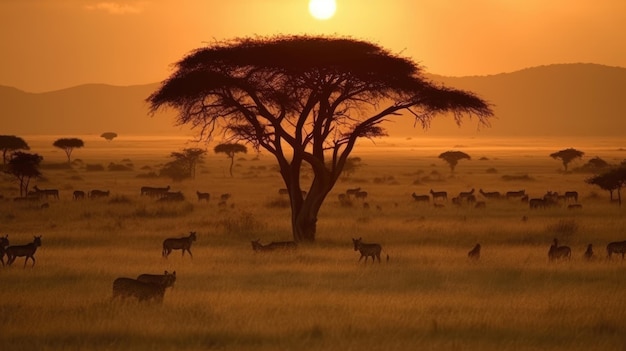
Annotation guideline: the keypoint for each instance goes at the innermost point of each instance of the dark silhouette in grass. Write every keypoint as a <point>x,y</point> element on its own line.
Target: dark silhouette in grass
<point>24,166</point>
<point>453,158</point>
<point>230,150</point>
<point>68,145</point>
<point>306,100</point>
<point>566,156</point>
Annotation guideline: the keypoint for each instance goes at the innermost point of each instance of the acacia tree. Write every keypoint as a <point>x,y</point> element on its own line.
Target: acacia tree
<point>567,156</point>
<point>10,143</point>
<point>109,135</point>
<point>611,180</point>
<point>184,164</point>
<point>230,150</point>
<point>453,158</point>
<point>24,166</point>
<point>68,145</point>
<point>306,100</point>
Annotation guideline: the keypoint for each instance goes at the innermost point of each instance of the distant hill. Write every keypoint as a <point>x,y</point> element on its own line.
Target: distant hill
<point>554,100</point>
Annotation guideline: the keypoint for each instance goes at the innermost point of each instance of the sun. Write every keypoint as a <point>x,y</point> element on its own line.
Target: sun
<point>322,9</point>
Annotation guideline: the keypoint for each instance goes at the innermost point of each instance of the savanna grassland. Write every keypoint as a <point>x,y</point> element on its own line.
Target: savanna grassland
<point>428,296</point>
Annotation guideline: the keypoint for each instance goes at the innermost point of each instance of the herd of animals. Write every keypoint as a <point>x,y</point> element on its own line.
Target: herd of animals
<point>147,287</point>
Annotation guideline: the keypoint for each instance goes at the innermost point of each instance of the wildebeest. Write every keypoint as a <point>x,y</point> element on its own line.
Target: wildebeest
<point>474,253</point>
<point>589,252</point>
<point>421,198</point>
<point>368,250</point>
<point>616,247</point>
<point>439,195</point>
<point>47,192</point>
<point>27,251</point>
<point>166,279</point>
<point>96,194</point>
<point>203,196</point>
<point>183,244</point>
<point>273,246</point>
<point>142,291</point>
<point>78,195</point>
<point>557,251</point>
<point>4,242</point>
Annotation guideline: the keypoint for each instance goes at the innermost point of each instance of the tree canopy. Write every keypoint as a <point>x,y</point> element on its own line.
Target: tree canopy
<point>306,100</point>
<point>611,180</point>
<point>453,158</point>
<point>10,143</point>
<point>230,150</point>
<point>24,166</point>
<point>68,145</point>
<point>567,156</point>
<point>109,135</point>
<point>184,164</point>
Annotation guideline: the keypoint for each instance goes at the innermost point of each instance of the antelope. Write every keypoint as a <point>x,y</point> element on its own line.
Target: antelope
<point>96,194</point>
<point>183,244</point>
<point>512,194</point>
<point>421,198</point>
<point>368,250</point>
<point>47,192</point>
<point>439,195</point>
<point>203,196</point>
<point>474,253</point>
<point>589,252</point>
<point>78,195</point>
<point>142,291</point>
<point>490,194</point>
<point>167,279</point>
<point>465,194</point>
<point>274,245</point>
<point>616,247</point>
<point>557,251</point>
<point>4,242</point>
<point>27,251</point>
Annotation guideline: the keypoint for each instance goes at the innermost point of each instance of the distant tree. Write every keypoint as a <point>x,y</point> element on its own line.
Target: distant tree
<point>176,170</point>
<point>68,145</point>
<point>567,156</point>
<point>352,164</point>
<point>109,135</point>
<point>453,158</point>
<point>306,100</point>
<point>230,150</point>
<point>189,158</point>
<point>611,180</point>
<point>10,143</point>
<point>24,166</point>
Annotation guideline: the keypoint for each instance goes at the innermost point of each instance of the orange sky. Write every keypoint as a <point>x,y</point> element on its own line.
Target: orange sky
<point>54,44</point>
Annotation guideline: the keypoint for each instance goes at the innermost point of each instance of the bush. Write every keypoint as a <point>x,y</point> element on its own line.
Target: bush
<point>94,167</point>
<point>118,167</point>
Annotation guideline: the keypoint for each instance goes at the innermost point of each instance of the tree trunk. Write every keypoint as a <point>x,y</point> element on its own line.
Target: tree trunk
<point>232,161</point>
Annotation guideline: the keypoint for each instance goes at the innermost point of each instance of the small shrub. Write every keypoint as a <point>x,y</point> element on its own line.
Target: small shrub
<point>94,168</point>
<point>491,170</point>
<point>114,167</point>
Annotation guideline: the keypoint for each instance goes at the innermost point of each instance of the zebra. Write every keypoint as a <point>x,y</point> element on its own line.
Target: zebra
<point>274,245</point>
<point>589,252</point>
<point>166,279</point>
<point>27,251</point>
<point>142,291</point>
<point>557,251</point>
<point>4,242</point>
<point>183,244</point>
<point>203,196</point>
<point>420,198</point>
<point>616,247</point>
<point>47,192</point>
<point>368,250</point>
<point>571,195</point>
<point>474,253</point>
<point>439,195</point>
<point>78,195</point>
<point>96,194</point>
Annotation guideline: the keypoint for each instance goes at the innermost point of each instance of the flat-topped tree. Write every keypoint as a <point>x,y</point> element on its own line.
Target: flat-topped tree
<point>109,135</point>
<point>453,158</point>
<point>567,155</point>
<point>24,166</point>
<point>306,100</point>
<point>230,150</point>
<point>68,145</point>
<point>11,143</point>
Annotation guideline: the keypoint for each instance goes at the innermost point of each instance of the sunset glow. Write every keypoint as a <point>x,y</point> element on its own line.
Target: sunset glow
<point>322,9</point>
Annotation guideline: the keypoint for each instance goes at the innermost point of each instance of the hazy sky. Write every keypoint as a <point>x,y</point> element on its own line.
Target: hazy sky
<point>54,44</point>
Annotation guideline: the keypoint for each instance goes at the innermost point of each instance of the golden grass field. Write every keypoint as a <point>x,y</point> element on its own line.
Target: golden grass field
<point>429,296</point>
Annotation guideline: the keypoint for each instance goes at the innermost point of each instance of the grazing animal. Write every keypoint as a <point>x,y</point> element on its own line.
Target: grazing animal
<point>439,195</point>
<point>78,195</point>
<point>557,251</point>
<point>27,251</point>
<point>474,253</point>
<point>514,194</point>
<point>574,207</point>
<point>361,195</point>
<point>571,195</point>
<point>353,191</point>
<point>47,192</point>
<point>618,247</point>
<point>589,252</point>
<point>203,196</point>
<point>225,197</point>
<point>142,291</point>
<point>96,194</point>
<point>154,192</point>
<point>167,279</point>
<point>368,250</point>
<point>4,242</point>
<point>273,246</point>
<point>490,194</point>
<point>183,244</point>
<point>421,198</point>
<point>171,196</point>
<point>465,194</point>
<point>537,203</point>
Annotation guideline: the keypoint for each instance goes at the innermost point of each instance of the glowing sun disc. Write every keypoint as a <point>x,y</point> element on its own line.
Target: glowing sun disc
<point>322,9</point>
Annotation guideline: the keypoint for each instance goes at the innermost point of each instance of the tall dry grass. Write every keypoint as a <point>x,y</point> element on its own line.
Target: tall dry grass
<point>429,295</point>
